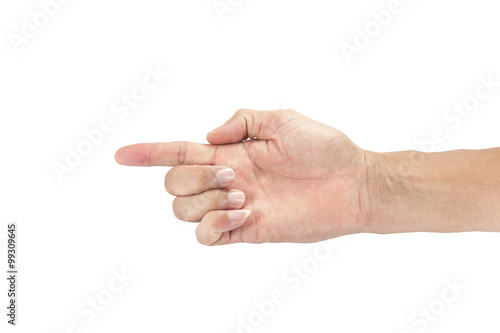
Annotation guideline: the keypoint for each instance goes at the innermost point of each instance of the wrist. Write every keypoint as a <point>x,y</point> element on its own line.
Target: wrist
<point>380,200</point>
<point>393,198</point>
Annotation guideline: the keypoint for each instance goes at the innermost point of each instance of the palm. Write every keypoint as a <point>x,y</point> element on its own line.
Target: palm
<point>297,184</point>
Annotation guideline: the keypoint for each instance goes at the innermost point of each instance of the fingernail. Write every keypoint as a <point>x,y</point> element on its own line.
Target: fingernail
<point>238,215</point>
<point>225,176</point>
<point>236,198</point>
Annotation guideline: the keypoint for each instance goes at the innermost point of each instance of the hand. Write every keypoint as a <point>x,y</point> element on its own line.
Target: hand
<point>294,180</point>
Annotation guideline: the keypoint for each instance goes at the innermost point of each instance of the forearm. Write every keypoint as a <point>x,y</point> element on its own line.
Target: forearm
<point>437,192</point>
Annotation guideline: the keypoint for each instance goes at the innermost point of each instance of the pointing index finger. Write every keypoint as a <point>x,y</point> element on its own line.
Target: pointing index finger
<point>166,154</point>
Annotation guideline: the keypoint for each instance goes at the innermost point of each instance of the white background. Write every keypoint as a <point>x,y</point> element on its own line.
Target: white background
<point>263,55</point>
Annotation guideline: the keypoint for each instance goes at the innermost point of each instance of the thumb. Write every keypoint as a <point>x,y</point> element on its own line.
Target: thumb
<point>246,124</point>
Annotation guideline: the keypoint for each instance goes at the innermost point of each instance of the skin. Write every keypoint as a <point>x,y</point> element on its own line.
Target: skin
<point>299,180</point>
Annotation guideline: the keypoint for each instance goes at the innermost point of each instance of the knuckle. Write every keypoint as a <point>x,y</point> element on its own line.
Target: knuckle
<point>181,153</point>
<point>180,210</point>
<point>201,237</point>
<point>169,181</point>
<point>201,202</point>
<point>287,112</point>
<point>212,199</point>
<point>243,113</point>
<point>213,195</point>
<point>198,237</point>
<point>185,210</point>
<point>203,178</point>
